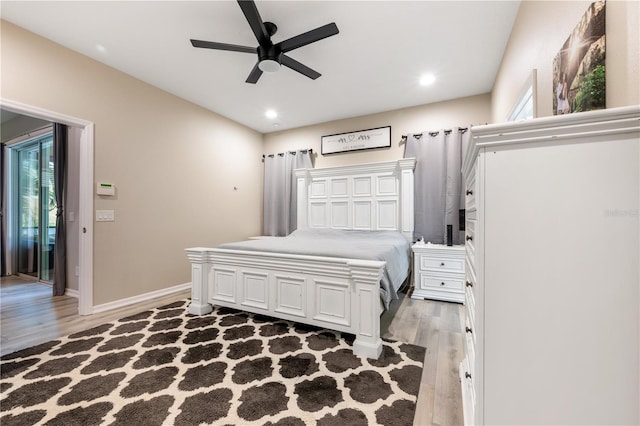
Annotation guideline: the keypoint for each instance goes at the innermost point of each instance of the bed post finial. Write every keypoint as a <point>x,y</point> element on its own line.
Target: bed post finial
<point>407,165</point>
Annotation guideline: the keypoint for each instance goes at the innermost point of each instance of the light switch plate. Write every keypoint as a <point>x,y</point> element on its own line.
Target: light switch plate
<point>105,216</point>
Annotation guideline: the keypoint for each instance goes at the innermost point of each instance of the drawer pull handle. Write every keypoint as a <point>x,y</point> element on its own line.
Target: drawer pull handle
<point>467,375</point>
<point>469,192</point>
<point>441,263</point>
<point>469,284</point>
<point>441,283</point>
<point>468,330</point>
<point>469,238</point>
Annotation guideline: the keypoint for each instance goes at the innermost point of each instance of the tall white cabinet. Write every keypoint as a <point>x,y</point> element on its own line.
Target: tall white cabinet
<point>553,271</point>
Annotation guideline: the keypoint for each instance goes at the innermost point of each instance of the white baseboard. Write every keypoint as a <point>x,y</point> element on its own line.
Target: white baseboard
<point>141,298</point>
<point>71,293</point>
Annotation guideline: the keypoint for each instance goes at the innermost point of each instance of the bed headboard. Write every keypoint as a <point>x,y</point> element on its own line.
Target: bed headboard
<point>375,196</point>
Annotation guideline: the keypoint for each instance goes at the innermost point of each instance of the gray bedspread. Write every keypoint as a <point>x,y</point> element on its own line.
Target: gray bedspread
<point>389,246</point>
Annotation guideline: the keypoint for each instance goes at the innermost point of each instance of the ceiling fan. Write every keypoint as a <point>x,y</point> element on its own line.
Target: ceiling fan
<point>271,56</point>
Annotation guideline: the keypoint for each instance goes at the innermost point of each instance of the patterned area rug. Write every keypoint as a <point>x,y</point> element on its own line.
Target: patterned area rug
<point>166,367</point>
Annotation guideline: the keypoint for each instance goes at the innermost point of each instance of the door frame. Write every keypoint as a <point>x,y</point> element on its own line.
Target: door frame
<point>85,195</point>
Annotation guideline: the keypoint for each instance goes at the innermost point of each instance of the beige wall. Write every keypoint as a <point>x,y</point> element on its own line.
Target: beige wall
<point>174,164</point>
<point>441,115</point>
<point>540,30</point>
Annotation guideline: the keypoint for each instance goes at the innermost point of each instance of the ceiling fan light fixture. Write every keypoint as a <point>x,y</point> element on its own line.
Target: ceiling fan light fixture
<point>269,65</point>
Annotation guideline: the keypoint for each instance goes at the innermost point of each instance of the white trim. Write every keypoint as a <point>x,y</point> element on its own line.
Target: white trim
<point>72,293</point>
<point>141,298</point>
<point>85,215</point>
<point>554,129</point>
<point>42,113</point>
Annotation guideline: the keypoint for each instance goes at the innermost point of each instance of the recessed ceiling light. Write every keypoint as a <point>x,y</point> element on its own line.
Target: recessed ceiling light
<point>100,48</point>
<point>427,79</point>
<point>271,113</point>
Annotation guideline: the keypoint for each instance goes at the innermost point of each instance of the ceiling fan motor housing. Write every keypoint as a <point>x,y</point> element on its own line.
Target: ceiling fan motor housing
<point>269,52</point>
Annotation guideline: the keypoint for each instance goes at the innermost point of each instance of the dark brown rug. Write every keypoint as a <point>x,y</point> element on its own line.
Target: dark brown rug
<point>166,367</point>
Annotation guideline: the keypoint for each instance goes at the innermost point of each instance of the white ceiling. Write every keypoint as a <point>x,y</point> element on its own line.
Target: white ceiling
<point>372,65</point>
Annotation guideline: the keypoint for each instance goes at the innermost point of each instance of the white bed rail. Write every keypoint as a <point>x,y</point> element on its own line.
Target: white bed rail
<point>333,293</point>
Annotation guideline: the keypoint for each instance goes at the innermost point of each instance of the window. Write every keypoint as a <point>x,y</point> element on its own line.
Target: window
<point>525,108</point>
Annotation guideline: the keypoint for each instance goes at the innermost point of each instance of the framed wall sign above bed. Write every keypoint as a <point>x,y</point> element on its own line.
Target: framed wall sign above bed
<point>379,137</point>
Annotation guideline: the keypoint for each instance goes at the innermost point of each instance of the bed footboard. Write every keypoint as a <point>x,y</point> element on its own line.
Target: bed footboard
<point>333,293</point>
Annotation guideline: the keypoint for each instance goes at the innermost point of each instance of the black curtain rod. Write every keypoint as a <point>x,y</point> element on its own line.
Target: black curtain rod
<point>447,131</point>
<point>281,154</point>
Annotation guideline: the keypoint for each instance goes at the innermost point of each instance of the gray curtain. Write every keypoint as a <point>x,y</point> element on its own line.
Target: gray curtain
<point>3,226</point>
<point>280,191</point>
<point>438,185</point>
<point>60,172</point>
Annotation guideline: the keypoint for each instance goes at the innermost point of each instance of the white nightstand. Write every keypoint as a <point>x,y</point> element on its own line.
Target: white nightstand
<point>438,272</point>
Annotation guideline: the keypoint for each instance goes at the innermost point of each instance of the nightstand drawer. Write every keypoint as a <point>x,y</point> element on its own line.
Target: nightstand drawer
<point>441,282</point>
<point>436,264</point>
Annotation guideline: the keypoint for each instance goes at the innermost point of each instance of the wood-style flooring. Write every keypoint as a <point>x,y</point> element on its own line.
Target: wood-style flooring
<point>30,315</point>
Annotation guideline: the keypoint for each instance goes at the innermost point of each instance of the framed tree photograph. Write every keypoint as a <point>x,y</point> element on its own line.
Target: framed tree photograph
<point>579,66</point>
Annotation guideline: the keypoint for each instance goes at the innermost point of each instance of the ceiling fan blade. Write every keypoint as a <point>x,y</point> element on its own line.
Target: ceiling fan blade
<point>255,21</point>
<point>297,66</point>
<point>254,75</point>
<point>222,46</point>
<point>308,37</point>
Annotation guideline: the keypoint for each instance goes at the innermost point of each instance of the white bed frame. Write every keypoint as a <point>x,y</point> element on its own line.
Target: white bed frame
<point>333,293</point>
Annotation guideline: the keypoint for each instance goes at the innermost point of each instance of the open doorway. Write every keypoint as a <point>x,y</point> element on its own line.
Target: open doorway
<point>83,269</point>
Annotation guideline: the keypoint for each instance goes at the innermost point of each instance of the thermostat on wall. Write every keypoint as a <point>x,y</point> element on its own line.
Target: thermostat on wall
<point>105,188</point>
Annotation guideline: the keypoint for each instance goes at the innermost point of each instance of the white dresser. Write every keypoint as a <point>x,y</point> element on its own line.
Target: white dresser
<point>553,271</point>
<point>438,272</point>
